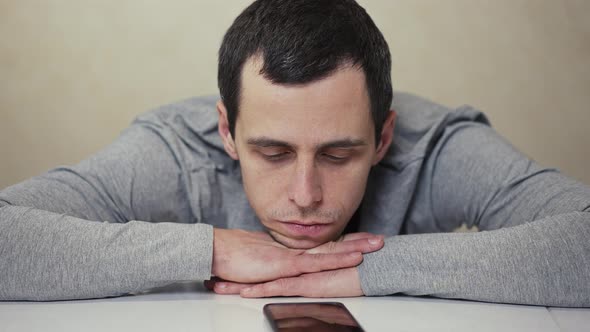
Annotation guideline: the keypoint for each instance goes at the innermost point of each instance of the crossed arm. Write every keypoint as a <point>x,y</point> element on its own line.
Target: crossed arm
<point>241,266</point>
<point>532,249</point>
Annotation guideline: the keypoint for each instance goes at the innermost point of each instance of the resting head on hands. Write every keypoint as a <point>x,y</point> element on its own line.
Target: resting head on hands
<point>305,109</point>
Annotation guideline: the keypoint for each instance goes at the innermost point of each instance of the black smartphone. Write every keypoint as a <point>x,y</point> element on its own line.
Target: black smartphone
<point>310,316</point>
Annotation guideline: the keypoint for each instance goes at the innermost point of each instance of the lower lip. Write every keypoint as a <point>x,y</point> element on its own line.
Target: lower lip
<point>305,230</point>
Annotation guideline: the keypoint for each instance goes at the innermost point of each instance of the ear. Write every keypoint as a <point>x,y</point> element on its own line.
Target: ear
<point>386,137</point>
<point>223,129</point>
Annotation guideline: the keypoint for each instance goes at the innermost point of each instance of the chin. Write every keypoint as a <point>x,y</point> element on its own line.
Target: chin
<point>296,243</point>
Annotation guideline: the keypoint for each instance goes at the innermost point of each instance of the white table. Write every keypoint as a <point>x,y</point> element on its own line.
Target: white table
<point>189,307</point>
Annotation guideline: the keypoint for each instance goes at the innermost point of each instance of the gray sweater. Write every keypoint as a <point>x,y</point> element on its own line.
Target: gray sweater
<point>140,214</point>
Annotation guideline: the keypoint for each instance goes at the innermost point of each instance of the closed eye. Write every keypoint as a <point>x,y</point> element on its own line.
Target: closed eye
<point>275,156</point>
<point>334,158</point>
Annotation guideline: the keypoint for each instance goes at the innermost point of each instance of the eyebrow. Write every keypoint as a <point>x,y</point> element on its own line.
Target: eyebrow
<point>264,142</point>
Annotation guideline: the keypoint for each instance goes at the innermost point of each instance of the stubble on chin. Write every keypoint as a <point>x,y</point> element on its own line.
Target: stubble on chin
<point>292,243</point>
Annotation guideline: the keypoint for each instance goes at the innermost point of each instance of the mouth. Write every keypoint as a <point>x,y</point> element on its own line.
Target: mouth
<point>297,229</point>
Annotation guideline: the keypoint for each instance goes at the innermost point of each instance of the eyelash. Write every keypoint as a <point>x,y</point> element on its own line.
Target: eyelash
<point>275,157</point>
<point>335,159</point>
<point>281,156</point>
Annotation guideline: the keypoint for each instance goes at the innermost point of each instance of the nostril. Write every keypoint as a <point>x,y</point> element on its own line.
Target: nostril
<point>305,189</point>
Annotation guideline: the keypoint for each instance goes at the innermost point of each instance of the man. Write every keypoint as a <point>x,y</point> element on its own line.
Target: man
<point>304,182</point>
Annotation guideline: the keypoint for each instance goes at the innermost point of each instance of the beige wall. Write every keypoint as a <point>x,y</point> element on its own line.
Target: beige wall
<point>74,73</point>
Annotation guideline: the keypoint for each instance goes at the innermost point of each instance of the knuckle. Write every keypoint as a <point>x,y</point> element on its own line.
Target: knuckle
<point>293,268</point>
<point>312,263</point>
<point>332,274</point>
<point>322,259</point>
<point>332,246</point>
<point>282,284</point>
<point>274,288</point>
<point>261,290</point>
<point>297,265</point>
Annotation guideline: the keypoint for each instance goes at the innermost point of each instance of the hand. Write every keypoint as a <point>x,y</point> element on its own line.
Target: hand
<point>353,242</point>
<point>346,280</point>
<point>254,257</point>
<point>336,283</point>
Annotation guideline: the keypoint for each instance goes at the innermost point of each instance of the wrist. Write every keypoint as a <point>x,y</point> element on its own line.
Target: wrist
<point>218,259</point>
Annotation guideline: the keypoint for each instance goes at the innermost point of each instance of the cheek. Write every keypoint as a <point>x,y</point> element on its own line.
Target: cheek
<point>263,186</point>
<point>346,185</point>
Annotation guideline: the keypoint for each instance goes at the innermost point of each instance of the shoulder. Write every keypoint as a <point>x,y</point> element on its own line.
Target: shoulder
<point>197,114</point>
<point>420,124</point>
<point>189,128</point>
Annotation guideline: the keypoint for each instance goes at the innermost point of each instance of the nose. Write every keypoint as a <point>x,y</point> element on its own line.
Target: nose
<point>305,186</point>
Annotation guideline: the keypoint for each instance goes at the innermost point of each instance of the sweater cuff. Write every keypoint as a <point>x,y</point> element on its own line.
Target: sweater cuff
<point>197,261</point>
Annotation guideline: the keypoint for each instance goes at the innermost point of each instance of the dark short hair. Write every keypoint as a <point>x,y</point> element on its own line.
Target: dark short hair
<point>302,41</point>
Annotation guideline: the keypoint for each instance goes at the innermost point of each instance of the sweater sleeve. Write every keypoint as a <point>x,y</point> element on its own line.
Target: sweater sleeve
<point>118,222</point>
<point>532,247</point>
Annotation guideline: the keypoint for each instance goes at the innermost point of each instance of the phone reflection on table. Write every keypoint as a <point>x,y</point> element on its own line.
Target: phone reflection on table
<point>318,316</point>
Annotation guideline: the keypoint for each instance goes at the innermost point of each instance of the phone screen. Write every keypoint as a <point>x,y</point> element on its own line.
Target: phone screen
<point>310,316</point>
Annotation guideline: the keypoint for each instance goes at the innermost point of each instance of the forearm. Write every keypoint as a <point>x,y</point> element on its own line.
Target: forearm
<point>546,262</point>
<point>47,256</point>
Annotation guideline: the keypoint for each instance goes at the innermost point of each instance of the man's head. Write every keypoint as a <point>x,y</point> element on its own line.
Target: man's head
<point>305,88</point>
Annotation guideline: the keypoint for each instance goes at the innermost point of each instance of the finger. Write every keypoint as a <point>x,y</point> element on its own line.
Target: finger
<point>357,236</point>
<point>279,287</point>
<point>307,285</point>
<point>335,283</point>
<point>228,287</point>
<point>308,263</point>
<point>364,245</point>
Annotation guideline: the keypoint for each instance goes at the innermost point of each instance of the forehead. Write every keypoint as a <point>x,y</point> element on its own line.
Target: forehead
<point>331,108</point>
